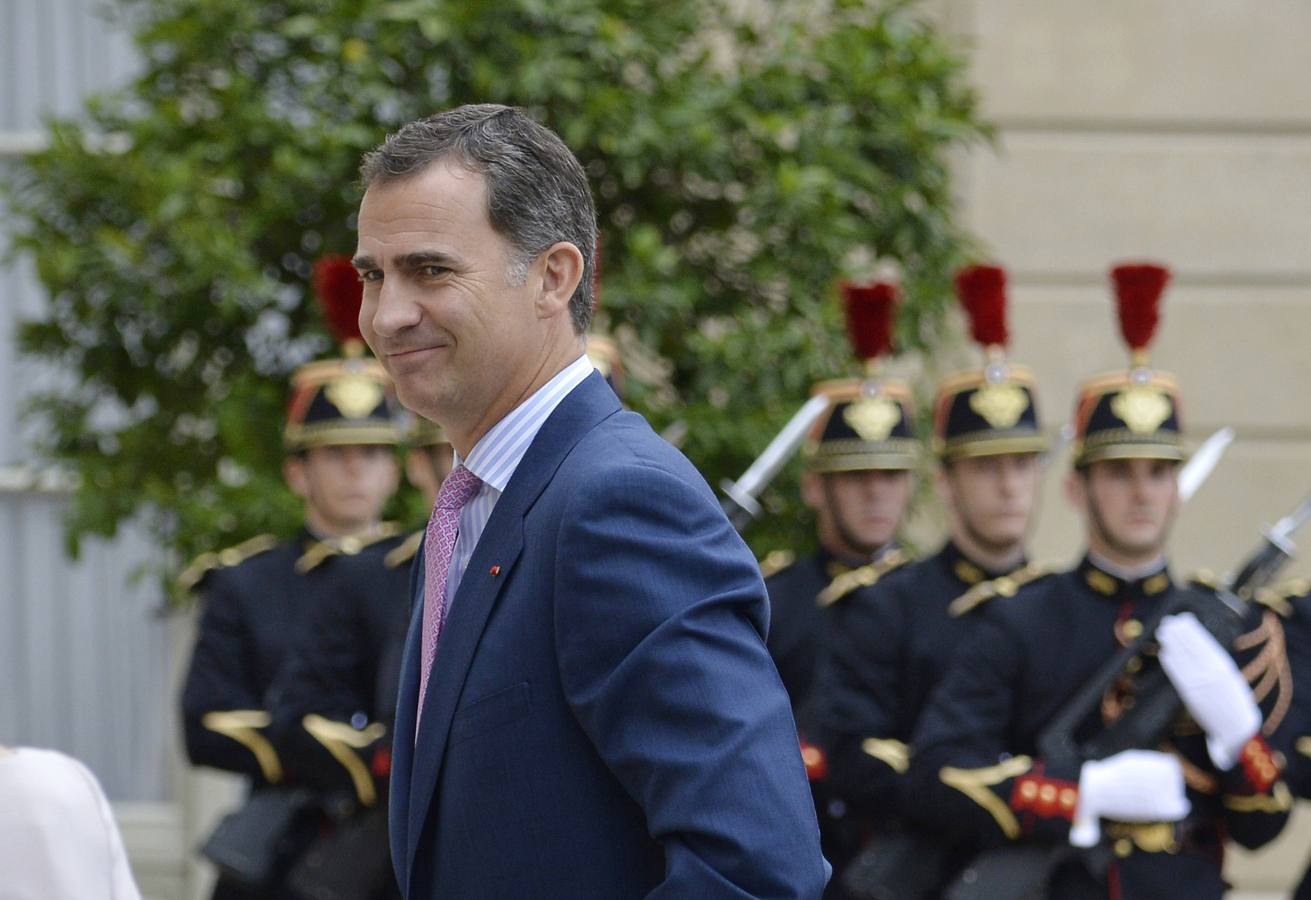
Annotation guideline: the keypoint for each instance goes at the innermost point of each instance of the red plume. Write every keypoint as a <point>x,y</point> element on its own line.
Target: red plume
<point>982,291</point>
<point>338,288</point>
<point>1138,289</point>
<point>869,316</point>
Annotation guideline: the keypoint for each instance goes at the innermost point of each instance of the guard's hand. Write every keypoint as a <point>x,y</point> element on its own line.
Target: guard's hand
<point>1131,786</point>
<point>1211,686</point>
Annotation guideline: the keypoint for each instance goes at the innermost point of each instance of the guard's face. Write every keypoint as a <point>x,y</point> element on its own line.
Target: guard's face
<point>344,488</point>
<point>858,512</point>
<point>1129,505</point>
<point>440,309</point>
<point>991,498</point>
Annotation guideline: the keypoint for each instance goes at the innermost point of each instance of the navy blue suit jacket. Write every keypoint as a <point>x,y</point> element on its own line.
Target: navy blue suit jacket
<point>602,718</point>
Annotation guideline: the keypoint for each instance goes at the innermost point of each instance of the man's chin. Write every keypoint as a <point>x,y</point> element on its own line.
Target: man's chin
<point>417,398</point>
<point>1140,545</point>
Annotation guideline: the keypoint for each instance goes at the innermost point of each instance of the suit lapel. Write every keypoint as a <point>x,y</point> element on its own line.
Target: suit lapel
<point>402,752</point>
<point>500,545</point>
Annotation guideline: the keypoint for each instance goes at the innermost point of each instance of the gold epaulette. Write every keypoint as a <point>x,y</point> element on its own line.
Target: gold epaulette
<point>403,552</point>
<point>865,576</point>
<point>1207,579</point>
<point>1005,586</point>
<point>205,563</point>
<point>1276,597</point>
<point>776,561</point>
<point>343,546</point>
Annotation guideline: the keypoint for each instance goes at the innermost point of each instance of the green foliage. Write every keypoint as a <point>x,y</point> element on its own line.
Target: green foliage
<point>740,167</point>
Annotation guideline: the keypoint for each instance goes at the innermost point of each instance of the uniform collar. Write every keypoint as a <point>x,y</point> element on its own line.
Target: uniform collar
<point>832,566</point>
<point>967,571</point>
<point>1115,587</point>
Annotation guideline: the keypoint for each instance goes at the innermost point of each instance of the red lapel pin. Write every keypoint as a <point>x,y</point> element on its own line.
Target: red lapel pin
<point>496,570</point>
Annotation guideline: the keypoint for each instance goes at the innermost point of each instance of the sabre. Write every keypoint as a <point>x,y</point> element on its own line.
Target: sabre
<point>1195,472</point>
<point>739,503</point>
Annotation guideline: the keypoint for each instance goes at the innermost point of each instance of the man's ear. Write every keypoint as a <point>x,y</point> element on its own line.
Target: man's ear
<point>562,269</point>
<point>293,472</point>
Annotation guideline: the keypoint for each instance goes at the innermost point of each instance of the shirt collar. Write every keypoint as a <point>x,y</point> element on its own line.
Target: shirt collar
<point>498,452</point>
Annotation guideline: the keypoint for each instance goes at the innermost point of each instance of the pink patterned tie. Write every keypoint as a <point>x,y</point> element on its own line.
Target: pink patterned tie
<point>457,490</point>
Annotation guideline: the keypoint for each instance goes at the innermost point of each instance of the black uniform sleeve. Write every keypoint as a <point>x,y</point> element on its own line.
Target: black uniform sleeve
<point>964,779</point>
<point>791,641</point>
<point>1255,798</point>
<point>1293,736</point>
<point>855,706</point>
<point>225,722</point>
<point>323,702</point>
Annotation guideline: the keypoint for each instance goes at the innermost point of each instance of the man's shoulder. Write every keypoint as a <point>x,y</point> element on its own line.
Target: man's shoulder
<point>866,584</point>
<point>251,560</point>
<point>1020,595</point>
<point>622,449</point>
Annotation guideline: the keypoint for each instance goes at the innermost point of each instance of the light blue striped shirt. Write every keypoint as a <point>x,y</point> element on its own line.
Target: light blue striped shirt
<point>496,456</point>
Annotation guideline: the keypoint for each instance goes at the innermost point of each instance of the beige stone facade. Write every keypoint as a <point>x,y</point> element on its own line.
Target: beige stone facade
<point>1178,132</point>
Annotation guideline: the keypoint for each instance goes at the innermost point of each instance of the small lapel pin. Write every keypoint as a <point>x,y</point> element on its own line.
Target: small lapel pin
<point>496,570</point>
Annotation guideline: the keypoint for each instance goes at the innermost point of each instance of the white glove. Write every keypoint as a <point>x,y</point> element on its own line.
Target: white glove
<point>1209,683</point>
<point>1131,786</point>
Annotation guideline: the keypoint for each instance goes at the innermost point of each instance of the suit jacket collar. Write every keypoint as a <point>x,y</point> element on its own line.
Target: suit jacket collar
<point>489,569</point>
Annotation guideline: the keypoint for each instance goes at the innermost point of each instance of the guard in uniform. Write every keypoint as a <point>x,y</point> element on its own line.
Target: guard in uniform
<point>891,635</point>
<point>335,698</point>
<point>340,437</point>
<point>1291,601</point>
<point>1135,823</point>
<point>859,459</point>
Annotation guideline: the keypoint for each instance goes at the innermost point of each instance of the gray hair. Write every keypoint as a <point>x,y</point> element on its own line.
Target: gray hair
<point>537,192</point>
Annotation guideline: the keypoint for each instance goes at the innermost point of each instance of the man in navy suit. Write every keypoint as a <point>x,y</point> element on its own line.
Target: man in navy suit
<point>587,708</point>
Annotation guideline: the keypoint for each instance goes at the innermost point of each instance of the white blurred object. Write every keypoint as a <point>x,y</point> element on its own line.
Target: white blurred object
<point>1131,786</point>
<point>58,840</point>
<point>1208,681</point>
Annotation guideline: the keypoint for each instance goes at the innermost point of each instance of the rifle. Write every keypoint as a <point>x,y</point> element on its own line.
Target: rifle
<point>1144,725</point>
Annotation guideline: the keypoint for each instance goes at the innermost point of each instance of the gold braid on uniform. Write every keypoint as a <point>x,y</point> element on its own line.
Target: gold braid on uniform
<point>1279,800</point>
<point>865,576</point>
<point>894,754</point>
<point>405,551</point>
<point>205,563</point>
<point>1005,586</point>
<point>242,725</point>
<point>1269,668</point>
<point>341,740</point>
<point>977,784</point>
<point>342,546</point>
<point>776,561</point>
<point>1276,597</point>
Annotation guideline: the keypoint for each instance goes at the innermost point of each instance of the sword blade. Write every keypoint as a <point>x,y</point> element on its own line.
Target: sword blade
<point>1195,472</point>
<point>781,448</point>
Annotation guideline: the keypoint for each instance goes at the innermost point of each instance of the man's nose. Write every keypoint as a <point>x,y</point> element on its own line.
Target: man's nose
<point>393,312</point>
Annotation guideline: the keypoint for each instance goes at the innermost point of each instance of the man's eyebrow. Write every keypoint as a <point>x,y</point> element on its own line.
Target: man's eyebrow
<point>409,261</point>
<point>420,258</point>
